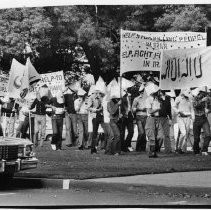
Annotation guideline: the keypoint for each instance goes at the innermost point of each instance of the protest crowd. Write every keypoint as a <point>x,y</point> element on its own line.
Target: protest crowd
<point>169,114</point>
<point>113,108</point>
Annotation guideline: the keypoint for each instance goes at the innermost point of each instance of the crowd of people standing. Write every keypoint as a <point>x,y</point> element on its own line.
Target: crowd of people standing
<point>154,111</point>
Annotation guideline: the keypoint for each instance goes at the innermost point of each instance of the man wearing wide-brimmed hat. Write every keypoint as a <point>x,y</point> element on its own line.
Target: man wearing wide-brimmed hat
<point>200,102</point>
<point>114,110</point>
<point>81,107</point>
<point>96,111</point>
<point>184,109</point>
<point>153,127</point>
<point>139,108</point>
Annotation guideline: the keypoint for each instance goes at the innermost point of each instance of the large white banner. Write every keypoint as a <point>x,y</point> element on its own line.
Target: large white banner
<point>142,51</point>
<point>186,68</point>
<point>55,81</point>
<point>4,78</point>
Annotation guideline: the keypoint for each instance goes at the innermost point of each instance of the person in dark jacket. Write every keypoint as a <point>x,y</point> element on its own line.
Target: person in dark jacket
<point>57,105</point>
<point>40,118</point>
<point>126,122</point>
<point>165,118</point>
<point>70,118</point>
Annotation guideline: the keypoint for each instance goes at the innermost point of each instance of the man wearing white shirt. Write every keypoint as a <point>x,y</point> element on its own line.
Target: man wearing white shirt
<point>184,108</point>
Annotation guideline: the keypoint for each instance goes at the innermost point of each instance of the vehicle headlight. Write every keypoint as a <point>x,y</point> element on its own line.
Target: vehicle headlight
<point>29,151</point>
<point>20,151</point>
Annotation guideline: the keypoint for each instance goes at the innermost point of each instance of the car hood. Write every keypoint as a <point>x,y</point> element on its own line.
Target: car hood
<point>14,141</point>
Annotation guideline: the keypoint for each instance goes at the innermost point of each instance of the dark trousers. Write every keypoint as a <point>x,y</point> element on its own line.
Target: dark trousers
<point>96,122</point>
<point>109,139</point>
<point>82,129</point>
<point>57,126</point>
<point>199,123</point>
<point>1,130</point>
<point>116,144</point>
<point>126,122</point>
<point>141,141</point>
<point>22,129</point>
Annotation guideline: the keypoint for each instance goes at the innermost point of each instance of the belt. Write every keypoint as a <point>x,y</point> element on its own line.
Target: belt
<point>200,115</point>
<point>154,116</point>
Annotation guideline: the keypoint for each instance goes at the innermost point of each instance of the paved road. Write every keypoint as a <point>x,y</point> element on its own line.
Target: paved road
<point>83,193</point>
<point>181,179</point>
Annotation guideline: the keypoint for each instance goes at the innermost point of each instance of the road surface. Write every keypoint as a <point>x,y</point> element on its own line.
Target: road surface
<point>100,194</point>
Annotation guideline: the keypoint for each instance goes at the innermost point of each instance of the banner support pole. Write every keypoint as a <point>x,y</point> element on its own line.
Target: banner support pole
<point>30,133</point>
<point>120,80</point>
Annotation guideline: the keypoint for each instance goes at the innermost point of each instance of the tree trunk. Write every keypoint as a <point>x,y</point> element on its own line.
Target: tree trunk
<point>94,60</point>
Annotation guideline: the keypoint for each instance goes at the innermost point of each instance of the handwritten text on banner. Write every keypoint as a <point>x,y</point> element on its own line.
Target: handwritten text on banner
<point>186,68</point>
<point>142,51</point>
<point>55,81</point>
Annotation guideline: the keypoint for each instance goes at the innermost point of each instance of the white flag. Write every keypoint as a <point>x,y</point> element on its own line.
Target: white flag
<point>15,79</point>
<point>33,75</point>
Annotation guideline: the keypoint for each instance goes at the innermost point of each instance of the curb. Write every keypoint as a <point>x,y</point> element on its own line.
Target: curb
<point>22,182</point>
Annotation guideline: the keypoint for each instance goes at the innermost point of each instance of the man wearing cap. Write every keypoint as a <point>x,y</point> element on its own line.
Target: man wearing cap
<point>126,122</point>
<point>114,110</point>
<point>153,127</point>
<point>70,117</point>
<point>200,102</point>
<point>184,109</point>
<point>139,107</point>
<point>81,107</point>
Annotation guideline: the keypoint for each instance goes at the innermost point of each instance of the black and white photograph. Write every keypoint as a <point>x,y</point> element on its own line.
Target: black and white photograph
<point>105,104</point>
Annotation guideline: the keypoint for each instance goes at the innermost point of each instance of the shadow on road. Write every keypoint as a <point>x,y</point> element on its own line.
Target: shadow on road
<point>20,183</point>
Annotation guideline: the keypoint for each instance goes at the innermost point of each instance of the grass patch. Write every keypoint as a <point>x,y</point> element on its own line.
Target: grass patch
<point>76,164</point>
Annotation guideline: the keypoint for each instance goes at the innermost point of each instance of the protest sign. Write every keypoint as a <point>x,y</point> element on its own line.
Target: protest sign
<point>186,68</point>
<point>142,51</point>
<point>55,81</point>
<point>4,78</point>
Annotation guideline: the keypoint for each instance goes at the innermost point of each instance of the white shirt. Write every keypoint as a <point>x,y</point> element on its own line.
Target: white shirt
<point>81,106</point>
<point>152,103</point>
<point>183,105</point>
<point>105,110</point>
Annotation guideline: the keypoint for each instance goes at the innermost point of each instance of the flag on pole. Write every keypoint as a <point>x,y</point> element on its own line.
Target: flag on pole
<point>25,84</point>
<point>126,83</point>
<point>34,76</point>
<point>16,79</point>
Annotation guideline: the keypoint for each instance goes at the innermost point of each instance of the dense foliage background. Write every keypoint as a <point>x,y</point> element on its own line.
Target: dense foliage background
<point>86,38</point>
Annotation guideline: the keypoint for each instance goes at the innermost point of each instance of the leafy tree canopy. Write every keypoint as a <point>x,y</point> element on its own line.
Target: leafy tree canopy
<point>86,38</point>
